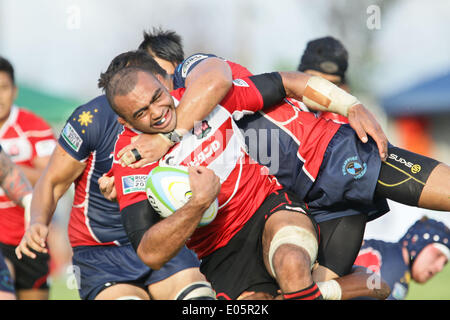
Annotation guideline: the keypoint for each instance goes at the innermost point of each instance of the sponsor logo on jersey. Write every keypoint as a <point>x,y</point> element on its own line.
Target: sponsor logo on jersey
<point>353,167</point>
<point>134,183</point>
<point>190,62</point>
<point>240,83</point>
<point>72,137</point>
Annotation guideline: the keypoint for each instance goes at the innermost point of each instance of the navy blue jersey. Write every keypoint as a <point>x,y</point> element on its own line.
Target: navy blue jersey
<point>386,259</point>
<point>89,136</point>
<point>303,152</point>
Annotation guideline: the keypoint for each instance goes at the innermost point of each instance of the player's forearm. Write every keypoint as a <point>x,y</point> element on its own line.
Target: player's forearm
<point>13,180</point>
<point>363,283</point>
<point>317,93</point>
<point>206,86</point>
<point>164,240</point>
<point>43,203</point>
<point>55,180</point>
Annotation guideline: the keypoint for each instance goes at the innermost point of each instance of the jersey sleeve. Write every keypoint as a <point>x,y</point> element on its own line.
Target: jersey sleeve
<point>189,64</point>
<point>183,69</point>
<point>254,93</point>
<point>38,132</point>
<point>80,133</point>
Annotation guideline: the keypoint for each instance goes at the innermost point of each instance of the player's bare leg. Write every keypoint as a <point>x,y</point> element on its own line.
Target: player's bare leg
<point>188,284</point>
<point>7,295</point>
<point>123,291</point>
<point>414,180</point>
<point>289,241</point>
<point>32,294</point>
<point>436,192</point>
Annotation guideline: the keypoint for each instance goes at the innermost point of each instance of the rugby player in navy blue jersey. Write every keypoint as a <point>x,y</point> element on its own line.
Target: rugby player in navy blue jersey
<point>421,253</point>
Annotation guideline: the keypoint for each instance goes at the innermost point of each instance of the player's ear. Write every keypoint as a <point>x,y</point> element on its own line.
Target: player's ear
<point>123,122</point>
<point>16,92</point>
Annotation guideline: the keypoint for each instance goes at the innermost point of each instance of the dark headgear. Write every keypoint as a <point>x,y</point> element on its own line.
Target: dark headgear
<point>424,232</point>
<point>326,55</point>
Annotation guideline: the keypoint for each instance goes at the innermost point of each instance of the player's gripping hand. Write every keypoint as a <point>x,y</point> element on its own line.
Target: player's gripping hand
<point>364,123</point>
<point>150,148</point>
<point>107,187</point>
<point>34,238</point>
<point>205,186</point>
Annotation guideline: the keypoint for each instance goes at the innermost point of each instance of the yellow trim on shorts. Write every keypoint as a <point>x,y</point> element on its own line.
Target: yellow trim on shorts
<point>399,183</point>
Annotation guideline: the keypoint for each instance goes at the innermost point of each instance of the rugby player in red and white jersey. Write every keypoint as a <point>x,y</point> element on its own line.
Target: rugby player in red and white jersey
<point>14,183</point>
<point>108,265</point>
<point>29,142</point>
<point>252,205</point>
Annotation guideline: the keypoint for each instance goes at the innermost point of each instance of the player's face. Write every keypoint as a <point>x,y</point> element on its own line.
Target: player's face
<point>149,107</point>
<point>8,92</point>
<point>429,262</point>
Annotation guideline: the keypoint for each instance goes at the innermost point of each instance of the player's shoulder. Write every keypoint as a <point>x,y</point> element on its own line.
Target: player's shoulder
<point>28,120</point>
<point>98,106</point>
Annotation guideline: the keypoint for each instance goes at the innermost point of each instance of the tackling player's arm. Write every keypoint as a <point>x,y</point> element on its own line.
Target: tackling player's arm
<point>156,240</point>
<point>56,179</point>
<point>206,85</point>
<point>360,283</point>
<point>321,95</point>
<point>13,181</point>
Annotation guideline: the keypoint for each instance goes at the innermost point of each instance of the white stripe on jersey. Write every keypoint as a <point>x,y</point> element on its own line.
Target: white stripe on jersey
<point>222,149</point>
<point>86,197</point>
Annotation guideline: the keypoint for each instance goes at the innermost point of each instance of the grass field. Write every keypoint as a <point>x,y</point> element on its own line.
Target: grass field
<point>438,288</point>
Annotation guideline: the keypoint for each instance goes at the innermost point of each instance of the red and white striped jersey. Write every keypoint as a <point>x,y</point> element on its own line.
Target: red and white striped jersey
<point>218,144</point>
<point>24,136</point>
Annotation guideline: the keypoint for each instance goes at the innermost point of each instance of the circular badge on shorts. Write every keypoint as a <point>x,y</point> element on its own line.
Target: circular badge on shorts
<point>354,167</point>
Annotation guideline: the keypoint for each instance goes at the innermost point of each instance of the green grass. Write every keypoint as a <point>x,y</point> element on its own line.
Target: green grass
<point>60,291</point>
<point>438,288</point>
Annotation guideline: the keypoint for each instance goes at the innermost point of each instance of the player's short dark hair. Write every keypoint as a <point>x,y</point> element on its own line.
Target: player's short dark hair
<point>164,44</point>
<point>327,55</point>
<point>137,58</point>
<point>7,67</point>
<point>121,83</point>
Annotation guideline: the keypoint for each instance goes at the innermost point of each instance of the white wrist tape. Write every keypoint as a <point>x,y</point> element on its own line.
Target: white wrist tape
<point>296,236</point>
<point>26,204</point>
<point>323,95</point>
<point>331,290</point>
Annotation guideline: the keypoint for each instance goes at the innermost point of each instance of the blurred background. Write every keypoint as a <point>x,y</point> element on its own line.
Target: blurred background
<point>399,65</point>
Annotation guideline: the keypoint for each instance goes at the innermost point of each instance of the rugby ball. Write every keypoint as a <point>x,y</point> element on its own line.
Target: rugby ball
<point>168,189</point>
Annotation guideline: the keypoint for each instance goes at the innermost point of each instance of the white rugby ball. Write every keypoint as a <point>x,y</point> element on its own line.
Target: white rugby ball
<point>168,189</point>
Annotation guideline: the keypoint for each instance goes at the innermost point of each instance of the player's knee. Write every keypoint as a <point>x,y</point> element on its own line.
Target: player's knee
<point>297,237</point>
<point>129,298</point>
<point>200,290</point>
